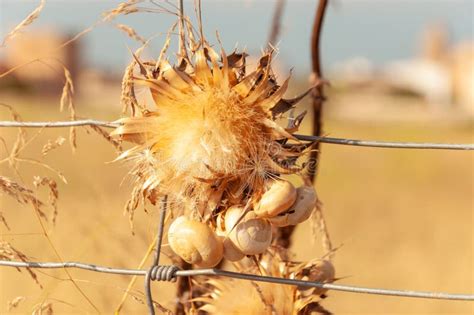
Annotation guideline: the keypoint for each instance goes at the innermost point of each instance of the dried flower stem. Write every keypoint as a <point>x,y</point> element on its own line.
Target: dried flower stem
<point>276,23</point>
<point>284,235</point>
<point>27,21</point>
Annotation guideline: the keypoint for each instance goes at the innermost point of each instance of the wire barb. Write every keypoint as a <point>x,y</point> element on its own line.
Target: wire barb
<point>163,273</point>
<point>329,140</point>
<point>157,272</point>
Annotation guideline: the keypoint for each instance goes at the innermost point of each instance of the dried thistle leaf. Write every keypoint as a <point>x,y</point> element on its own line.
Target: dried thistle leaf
<point>51,145</point>
<point>127,97</point>
<point>27,21</point>
<point>15,302</point>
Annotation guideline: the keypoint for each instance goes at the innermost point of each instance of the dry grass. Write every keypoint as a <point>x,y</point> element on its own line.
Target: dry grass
<point>25,22</point>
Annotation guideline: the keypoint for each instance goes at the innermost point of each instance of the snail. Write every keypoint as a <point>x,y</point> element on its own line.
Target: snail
<point>321,271</point>
<point>252,235</point>
<point>300,210</point>
<point>231,252</point>
<point>278,197</point>
<point>195,242</point>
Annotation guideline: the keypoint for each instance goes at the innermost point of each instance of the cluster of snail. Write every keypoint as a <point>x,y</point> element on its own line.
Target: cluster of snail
<point>238,231</point>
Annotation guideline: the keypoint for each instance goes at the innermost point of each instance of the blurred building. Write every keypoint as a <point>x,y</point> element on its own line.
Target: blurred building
<point>43,61</point>
<point>442,73</point>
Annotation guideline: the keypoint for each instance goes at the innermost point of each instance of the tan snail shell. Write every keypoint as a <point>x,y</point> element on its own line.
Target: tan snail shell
<point>300,211</point>
<point>195,242</point>
<point>252,235</point>
<point>231,252</point>
<point>322,271</point>
<point>278,197</point>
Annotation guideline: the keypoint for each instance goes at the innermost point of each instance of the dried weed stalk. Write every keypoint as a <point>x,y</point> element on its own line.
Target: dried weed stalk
<point>104,134</point>
<point>51,145</point>
<point>4,221</point>
<point>53,193</point>
<point>130,32</point>
<point>43,308</point>
<point>20,139</point>
<point>318,224</point>
<point>15,302</point>
<point>123,8</point>
<point>160,307</point>
<point>67,100</point>
<point>21,194</point>
<point>27,21</point>
<point>128,98</point>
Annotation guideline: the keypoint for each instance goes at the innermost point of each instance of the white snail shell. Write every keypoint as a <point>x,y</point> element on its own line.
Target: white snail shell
<point>300,211</point>
<point>280,195</point>
<point>195,242</point>
<point>252,235</point>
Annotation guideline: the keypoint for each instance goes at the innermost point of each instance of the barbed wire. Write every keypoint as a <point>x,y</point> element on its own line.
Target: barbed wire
<point>170,272</point>
<point>243,276</point>
<point>329,140</point>
<point>155,272</point>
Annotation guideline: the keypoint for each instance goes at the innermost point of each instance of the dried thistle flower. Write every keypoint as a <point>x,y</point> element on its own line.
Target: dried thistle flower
<point>266,298</point>
<point>213,129</point>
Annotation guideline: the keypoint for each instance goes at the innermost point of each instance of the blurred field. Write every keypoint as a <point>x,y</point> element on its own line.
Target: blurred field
<point>404,217</point>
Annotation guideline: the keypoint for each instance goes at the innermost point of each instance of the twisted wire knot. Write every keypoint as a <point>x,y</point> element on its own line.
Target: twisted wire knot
<point>163,273</point>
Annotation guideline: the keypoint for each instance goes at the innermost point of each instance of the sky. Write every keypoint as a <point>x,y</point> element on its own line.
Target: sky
<point>380,31</point>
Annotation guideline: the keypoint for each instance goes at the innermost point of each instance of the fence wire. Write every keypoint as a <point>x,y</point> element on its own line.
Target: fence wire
<point>243,276</point>
<point>159,272</point>
<point>170,272</point>
<point>329,140</point>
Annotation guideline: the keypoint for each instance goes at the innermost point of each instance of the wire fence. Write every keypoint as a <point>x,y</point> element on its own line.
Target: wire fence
<point>243,276</point>
<point>170,272</point>
<point>159,272</point>
<point>329,140</point>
